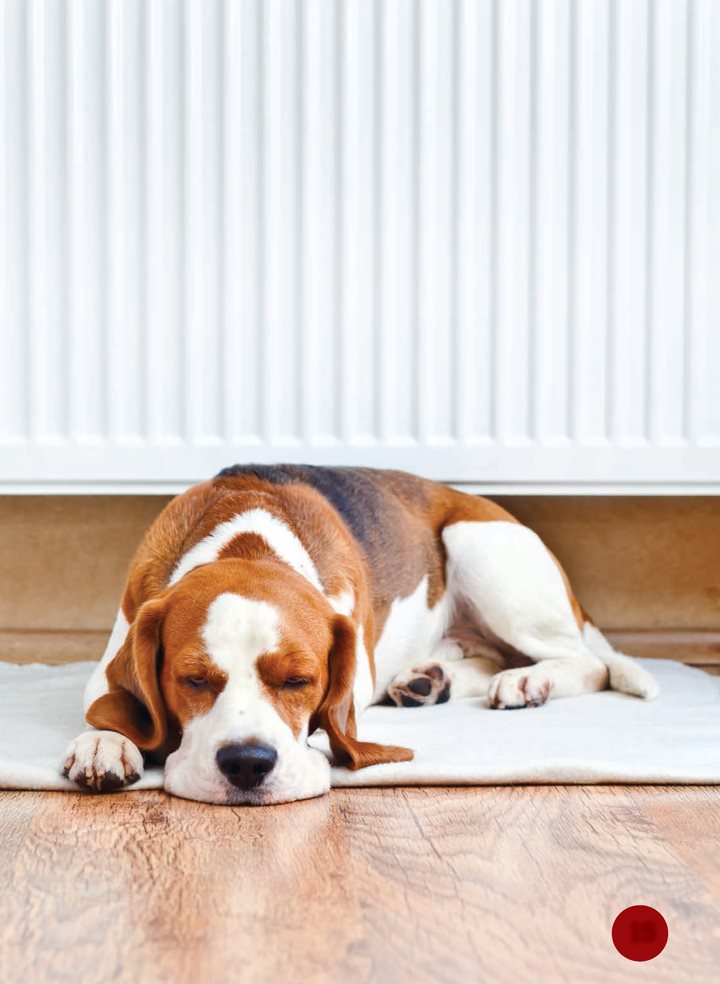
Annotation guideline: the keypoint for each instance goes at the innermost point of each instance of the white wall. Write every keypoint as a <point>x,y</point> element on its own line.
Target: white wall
<point>475,239</point>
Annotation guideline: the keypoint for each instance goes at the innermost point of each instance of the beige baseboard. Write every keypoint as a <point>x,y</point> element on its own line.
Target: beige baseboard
<point>700,649</point>
<point>695,648</point>
<point>52,647</point>
<point>648,566</point>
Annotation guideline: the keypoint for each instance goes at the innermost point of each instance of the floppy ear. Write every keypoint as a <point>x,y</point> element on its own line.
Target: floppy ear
<point>134,706</point>
<point>336,714</point>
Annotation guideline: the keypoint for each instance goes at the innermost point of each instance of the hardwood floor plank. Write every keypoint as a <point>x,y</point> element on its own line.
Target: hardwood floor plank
<point>693,833</point>
<point>16,812</point>
<point>474,884</point>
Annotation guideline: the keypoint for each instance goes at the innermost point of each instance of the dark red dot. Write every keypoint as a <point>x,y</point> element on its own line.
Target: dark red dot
<point>640,933</point>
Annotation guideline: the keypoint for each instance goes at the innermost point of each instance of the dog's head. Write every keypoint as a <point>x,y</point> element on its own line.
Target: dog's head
<point>231,669</point>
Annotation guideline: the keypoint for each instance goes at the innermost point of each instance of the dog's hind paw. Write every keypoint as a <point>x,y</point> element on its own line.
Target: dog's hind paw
<point>519,687</point>
<point>421,686</point>
<point>102,761</point>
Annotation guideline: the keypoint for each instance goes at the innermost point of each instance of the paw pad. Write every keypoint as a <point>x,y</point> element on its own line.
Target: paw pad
<point>421,686</point>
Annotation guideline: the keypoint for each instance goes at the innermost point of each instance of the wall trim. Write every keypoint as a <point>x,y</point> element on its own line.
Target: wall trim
<point>700,648</point>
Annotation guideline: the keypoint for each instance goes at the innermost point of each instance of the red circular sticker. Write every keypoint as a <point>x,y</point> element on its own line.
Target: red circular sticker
<point>640,933</point>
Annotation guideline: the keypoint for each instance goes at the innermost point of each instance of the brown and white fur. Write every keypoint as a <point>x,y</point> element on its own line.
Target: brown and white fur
<point>275,600</point>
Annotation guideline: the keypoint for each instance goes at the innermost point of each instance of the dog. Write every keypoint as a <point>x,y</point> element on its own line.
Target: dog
<point>276,600</point>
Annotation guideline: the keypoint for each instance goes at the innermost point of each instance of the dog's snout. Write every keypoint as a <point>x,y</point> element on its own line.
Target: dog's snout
<point>246,766</point>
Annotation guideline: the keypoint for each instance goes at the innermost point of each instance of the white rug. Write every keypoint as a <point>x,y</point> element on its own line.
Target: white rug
<point>606,737</point>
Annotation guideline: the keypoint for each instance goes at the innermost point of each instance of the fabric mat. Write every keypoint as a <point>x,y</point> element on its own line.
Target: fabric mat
<point>605,737</point>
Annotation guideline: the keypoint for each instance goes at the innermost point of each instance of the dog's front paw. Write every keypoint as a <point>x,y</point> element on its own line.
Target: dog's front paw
<point>103,761</point>
<point>521,687</point>
<point>420,686</point>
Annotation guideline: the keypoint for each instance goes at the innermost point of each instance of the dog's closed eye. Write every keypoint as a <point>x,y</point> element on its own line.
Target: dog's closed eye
<point>196,682</point>
<point>295,683</point>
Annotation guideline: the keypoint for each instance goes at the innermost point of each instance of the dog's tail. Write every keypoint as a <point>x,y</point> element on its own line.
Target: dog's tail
<point>626,674</point>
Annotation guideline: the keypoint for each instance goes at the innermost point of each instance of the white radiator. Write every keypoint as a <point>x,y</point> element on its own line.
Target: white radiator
<point>478,240</point>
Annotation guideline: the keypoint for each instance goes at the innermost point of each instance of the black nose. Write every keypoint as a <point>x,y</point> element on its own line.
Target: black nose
<point>246,765</point>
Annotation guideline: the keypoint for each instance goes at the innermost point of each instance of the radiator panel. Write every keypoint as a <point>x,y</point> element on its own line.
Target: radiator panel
<point>472,239</point>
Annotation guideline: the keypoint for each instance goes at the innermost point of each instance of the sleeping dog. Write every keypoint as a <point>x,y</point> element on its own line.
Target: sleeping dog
<point>275,600</point>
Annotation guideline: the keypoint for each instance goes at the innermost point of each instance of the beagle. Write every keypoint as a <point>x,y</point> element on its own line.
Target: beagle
<point>275,600</point>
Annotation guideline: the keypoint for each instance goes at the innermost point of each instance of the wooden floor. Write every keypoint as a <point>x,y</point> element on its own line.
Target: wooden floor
<point>502,884</point>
